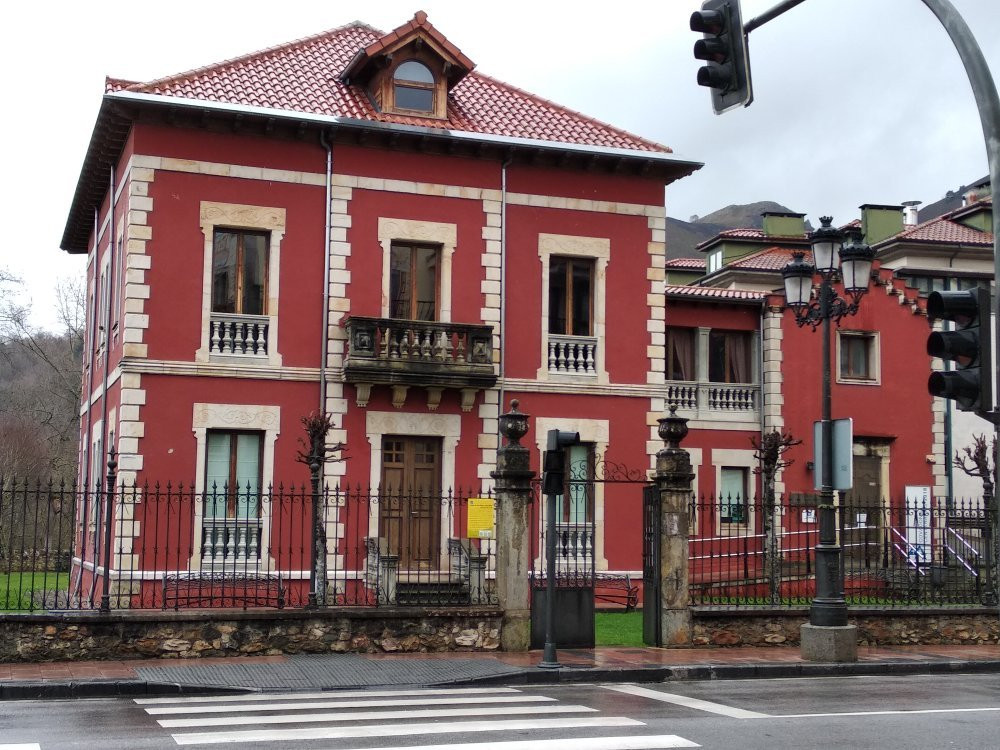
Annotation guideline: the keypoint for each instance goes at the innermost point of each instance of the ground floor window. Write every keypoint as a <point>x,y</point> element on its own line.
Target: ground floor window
<point>733,495</point>
<point>233,474</point>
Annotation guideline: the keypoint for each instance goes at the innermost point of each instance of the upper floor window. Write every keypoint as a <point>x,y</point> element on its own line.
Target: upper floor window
<point>239,272</point>
<point>413,87</point>
<point>571,285</point>
<point>414,280</point>
<point>714,262</point>
<point>680,354</point>
<point>858,356</point>
<point>729,356</point>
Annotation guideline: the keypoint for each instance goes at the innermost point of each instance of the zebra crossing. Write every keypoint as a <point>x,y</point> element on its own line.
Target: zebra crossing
<point>454,718</point>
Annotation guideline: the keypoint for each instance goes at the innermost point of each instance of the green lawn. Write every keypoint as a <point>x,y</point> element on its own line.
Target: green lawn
<point>15,588</point>
<point>618,628</point>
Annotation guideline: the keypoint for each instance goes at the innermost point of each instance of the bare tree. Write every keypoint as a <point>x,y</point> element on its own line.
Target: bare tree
<point>770,452</point>
<point>40,374</point>
<point>980,460</point>
<point>315,453</point>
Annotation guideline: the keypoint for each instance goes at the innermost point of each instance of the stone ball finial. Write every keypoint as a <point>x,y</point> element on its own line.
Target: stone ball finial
<point>514,425</point>
<point>673,429</point>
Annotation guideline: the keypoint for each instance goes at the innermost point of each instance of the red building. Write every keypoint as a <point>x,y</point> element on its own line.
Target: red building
<point>358,223</point>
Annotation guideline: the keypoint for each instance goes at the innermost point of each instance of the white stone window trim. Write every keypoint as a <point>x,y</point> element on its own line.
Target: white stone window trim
<point>421,232</point>
<point>448,427</point>
<point>874,357</point>
<point>246,417</point>
<point>597,249</point>
<point>733,458</point>
<point>597,432</point>
<point>241,216</point>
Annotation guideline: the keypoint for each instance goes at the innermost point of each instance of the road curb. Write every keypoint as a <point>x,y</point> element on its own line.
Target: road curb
<point>48,689</point>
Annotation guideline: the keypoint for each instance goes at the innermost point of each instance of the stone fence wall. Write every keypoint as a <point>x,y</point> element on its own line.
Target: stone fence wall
<point>183,635</point>
<point>780,627</point>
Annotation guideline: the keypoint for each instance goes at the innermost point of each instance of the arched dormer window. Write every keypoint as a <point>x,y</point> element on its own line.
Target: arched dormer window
<point>413,87</point>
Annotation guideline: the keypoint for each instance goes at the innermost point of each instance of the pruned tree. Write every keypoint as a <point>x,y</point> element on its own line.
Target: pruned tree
<point>315,453</point>
<point>770,450</point>
<point>978,460</point>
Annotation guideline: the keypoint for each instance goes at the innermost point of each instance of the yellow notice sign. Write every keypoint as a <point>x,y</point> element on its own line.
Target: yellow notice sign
<point>480,520</point>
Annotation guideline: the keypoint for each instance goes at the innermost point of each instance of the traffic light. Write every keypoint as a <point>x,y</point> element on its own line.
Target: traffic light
<point>969,346</point>
<point>724,48</point>
<point>554,467</point>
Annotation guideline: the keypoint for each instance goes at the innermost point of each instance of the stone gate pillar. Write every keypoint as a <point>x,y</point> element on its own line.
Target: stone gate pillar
<point>673,480</point>
<point>513,507</point>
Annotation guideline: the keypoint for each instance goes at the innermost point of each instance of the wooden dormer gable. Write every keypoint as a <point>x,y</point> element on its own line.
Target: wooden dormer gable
<point>410,70</point>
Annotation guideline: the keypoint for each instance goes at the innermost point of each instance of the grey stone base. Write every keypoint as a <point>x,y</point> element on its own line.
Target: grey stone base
<point>829,644</point>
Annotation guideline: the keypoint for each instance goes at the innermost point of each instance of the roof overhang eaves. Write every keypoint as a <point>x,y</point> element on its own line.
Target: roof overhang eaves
<point>72,241</point>
<point>351,122</point>
<point>717,300</point>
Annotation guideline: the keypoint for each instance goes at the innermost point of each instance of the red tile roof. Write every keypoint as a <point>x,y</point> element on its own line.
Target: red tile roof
<point>304,76</point>
<point>707,292</point>
<point>769,259</point>
<point>750,233</point>
<point>943,230</point>
<point>697,264</point>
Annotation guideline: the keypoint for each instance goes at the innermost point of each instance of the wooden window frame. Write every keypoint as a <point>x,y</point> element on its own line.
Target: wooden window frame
<point>413,247</point>
<point>418,85</point>
<point>241,267</point>
<point>570,261</point>
<point>231,489</point>
<point>870,341</point>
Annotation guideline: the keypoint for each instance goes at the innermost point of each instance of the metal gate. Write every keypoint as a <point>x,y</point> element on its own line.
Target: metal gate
<point>651,612</point>
<point>576,531</point>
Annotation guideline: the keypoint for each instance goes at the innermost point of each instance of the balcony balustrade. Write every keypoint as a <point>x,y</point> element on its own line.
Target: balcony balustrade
<point>238,335</point>
<point>718,401</point>
<point>572,355</point>
<point>385,351</point>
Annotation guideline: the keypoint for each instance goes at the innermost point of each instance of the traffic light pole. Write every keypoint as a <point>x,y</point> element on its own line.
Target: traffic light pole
<point>985,92</point>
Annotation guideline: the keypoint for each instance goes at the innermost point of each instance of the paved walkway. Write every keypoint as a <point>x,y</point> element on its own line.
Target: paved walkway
<point>334,671</point>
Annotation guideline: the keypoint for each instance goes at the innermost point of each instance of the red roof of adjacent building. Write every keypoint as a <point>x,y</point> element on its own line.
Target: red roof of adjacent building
<point>305,76</point>
<point>697,264</point>
<point>769,259</point>
<point>707,292</point>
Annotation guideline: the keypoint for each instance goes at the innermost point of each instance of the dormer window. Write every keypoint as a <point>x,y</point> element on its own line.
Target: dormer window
<point>413,87</point>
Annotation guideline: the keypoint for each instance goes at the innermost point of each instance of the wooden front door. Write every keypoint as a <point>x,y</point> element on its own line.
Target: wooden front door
<point>410,510</point>
<point>863,510</point>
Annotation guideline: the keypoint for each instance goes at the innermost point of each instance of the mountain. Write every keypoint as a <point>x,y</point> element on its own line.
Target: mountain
<point>684,236</point>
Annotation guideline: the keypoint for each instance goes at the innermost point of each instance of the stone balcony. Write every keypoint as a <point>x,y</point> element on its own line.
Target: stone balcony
<point>427,354</point>
<point>715,402</point>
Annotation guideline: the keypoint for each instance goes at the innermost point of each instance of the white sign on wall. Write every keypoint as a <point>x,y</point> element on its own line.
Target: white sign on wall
<point>918,523</point>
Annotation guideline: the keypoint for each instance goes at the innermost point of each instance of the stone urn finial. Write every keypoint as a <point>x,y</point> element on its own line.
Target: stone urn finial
<point>514,425</point>
<point>673,429</point>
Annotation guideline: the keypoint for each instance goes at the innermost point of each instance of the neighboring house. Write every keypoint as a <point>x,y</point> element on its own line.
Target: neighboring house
<point>882,347</point>
<point>359,223</point>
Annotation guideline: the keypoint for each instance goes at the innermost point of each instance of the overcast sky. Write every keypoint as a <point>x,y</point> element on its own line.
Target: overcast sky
<point>856,101</point>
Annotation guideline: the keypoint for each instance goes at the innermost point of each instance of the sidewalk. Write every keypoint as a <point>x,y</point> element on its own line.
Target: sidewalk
<point>315,672</point>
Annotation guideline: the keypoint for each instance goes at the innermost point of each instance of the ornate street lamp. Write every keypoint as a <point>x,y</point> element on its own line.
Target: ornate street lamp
<point>829,608</point>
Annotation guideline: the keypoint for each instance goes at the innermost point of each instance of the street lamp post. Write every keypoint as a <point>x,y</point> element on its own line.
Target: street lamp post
<point>829,608</point>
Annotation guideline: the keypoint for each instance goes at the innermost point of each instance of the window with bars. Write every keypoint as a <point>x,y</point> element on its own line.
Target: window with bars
<point>239,271</point>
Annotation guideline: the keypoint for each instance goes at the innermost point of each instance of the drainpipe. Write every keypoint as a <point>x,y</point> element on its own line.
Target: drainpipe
<point>503,279</point>
<point>107,361</point>
<point>328,145</point>
<point>87,390</point>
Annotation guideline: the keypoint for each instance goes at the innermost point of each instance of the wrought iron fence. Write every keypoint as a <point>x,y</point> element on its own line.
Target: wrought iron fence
<point>170,547</point>
<point>904,552</point>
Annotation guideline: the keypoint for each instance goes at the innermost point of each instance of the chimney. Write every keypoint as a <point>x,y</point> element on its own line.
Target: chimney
<point>783,224</point>
<point>910,213</point>
<point>880,222</point>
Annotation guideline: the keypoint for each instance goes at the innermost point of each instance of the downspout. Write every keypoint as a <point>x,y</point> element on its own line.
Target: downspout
<point>88,389</point>
<point>328,145</point>
<point>503,279</point>
<point>99,293</point>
